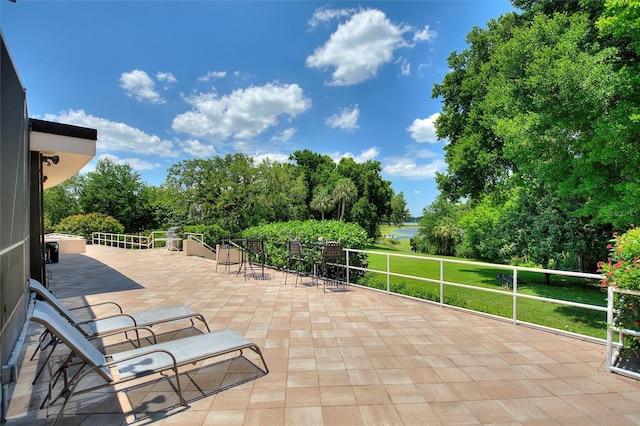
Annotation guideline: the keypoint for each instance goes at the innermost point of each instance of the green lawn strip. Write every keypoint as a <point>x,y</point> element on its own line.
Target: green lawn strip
<point>574,319</point>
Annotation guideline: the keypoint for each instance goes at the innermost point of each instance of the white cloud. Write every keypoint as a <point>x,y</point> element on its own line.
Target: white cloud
<point>243,114</point>
<point>424,130</point>
<point>423,67</point>
<point>284,135</point>
<point>424,34</point>
<point>323,15</point>
<point>405,66</point>
<point>197,149</point>
<point>114,136</point>
<point>364,156</point>
<point>346,119</point>
<point>135,163</point>
<point>212,75</point>
<point>166,77</point>
<point>139,85</point>
<point>407,167</point>
<point>272,157</point>
<point>359,47</point>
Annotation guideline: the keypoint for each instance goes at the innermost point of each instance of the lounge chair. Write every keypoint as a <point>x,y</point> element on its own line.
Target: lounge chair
<point>120,322</point>
<point>132,364</point>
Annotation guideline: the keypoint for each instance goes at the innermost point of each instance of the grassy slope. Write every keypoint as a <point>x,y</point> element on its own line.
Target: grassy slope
<point>577,320</point>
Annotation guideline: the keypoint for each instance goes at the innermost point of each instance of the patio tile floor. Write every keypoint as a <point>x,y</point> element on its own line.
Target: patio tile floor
<point>354,357</point>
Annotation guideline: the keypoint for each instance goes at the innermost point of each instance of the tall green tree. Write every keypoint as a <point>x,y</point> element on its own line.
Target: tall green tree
<point>374,194</point>
<point>281,192</point>
<point>399,211</point>
<point>344,192</point>
<point>439,228</point>
<point>220,190</point>
<point>322,201</point>
<point>543,102</point>
<point>318,170</point>
<point>62,200</point>
<point>116,190</point>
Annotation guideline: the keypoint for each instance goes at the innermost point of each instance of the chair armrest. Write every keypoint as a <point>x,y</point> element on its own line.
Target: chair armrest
<point>135,323</point>
<point>127,330</point>
<point>97,304</point>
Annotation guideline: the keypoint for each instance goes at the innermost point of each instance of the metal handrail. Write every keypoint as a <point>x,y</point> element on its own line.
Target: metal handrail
<point>514,290</point>
<point>129,241</point>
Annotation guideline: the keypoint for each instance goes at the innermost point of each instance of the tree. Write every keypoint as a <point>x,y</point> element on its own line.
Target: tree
<point>234,193</point>
<point>318,170</point>
<point>281,192</point>
<point>621,20</point>
<point>439,230</point>
<point>62,200</point>
<point>399,211</point>
<point>322,201</point>
<point>542,103</point>
<point>373,197</point>
<point>115,190</point>
<point>344,192</point>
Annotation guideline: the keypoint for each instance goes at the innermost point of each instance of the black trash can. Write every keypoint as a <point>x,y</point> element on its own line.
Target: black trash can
<point>51,250</point>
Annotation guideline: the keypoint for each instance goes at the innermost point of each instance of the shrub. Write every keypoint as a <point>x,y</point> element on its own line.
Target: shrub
<point>85,224</point>
<point>622,270</point>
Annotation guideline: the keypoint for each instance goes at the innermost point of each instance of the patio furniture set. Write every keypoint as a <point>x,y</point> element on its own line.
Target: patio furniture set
<point>322,260</point>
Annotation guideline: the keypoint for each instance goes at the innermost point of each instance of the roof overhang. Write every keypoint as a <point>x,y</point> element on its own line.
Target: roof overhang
<point>74,146</point>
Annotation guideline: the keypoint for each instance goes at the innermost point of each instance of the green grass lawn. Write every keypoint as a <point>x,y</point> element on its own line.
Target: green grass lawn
<point>574,319</point>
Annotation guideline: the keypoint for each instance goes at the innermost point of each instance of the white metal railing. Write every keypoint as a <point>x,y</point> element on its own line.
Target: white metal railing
<point>614,348</point>
<point>133,242</point>
<point>515,294</point>
<point>125,241</point>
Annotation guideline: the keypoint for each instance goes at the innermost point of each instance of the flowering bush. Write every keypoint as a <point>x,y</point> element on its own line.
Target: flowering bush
<point>622,270</point>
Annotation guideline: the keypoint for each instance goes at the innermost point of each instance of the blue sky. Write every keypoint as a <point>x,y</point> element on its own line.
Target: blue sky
<point>164,81</point>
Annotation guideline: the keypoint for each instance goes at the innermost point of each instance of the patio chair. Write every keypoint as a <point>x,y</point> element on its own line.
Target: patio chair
<point>229,253</point>
<point>254,254</point>
<point>331,269</point>
<point>298,258</point>
<point>132,364</point>
<point>119,322</point>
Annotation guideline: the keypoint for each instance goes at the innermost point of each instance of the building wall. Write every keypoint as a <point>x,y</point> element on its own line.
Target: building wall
<point>14,205</point>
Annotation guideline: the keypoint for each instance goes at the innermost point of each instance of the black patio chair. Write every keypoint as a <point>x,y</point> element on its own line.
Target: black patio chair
<point>332,264</point>
<point>254,254</point>
<point>299,258</point>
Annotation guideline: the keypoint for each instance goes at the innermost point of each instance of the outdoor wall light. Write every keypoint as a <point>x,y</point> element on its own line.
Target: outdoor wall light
<point>55,159</point>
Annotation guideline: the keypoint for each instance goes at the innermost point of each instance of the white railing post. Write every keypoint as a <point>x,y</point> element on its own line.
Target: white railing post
<point>388,273</point>
<point>515,295</point>
<point>609,353</point>
<point>441,282</point>
<point>347,265</point>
